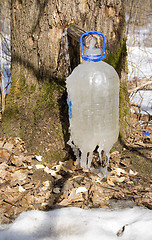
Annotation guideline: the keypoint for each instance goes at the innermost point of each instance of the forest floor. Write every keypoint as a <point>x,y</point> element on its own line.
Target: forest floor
<point>27,182</point>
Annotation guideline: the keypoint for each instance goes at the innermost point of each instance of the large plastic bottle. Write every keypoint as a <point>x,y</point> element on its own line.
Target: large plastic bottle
<point>93,99</point>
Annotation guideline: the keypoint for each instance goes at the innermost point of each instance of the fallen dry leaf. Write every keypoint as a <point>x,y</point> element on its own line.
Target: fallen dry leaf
<point>9,146</point>
<point>4,155</point>
<point>38,158</point>
<point>118,171</point>
<point>47,170</point>
<point>39,166</point>
<point>81,190</point>
<point>110,182</point>
<point>132,173</point>
<point>112,179</point>
<point>56,190</point>
<point>121,179</point>
<point>19,175</point>
<point>64,202</point>
<point>21,189</point>
<point>74,197</point>
<point>53,173</point>
<point>46,185</point>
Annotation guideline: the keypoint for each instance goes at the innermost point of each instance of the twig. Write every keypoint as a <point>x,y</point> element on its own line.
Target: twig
<point>14,203</point>
<point>5,201</point>
<point>140,87</point>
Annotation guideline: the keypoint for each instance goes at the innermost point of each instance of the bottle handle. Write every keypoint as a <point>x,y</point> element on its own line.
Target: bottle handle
<point>89,57</point>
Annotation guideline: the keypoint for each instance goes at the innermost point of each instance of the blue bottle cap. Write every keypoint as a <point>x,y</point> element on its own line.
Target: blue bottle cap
<point>94,58</point>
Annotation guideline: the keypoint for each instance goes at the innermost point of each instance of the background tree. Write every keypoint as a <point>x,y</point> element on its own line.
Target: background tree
<point>4,51</point>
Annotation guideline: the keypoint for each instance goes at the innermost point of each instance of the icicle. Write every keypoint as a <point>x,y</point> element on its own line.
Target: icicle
<point>83,160</point>
<point>90,159</point>
<point>107,158</point>
<point>65,46</point>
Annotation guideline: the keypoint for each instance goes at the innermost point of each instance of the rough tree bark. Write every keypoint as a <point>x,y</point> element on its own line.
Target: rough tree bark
<point>38,25</point>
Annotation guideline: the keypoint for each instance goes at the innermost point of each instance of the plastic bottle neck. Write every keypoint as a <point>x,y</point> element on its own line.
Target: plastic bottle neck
<point>92,52</point>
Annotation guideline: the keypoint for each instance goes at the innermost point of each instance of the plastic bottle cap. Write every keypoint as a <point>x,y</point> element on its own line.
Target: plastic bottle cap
<point>92,53</point>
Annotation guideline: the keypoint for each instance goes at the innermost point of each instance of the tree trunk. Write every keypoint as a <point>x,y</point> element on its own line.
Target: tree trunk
<point>35,110</point>
<point>38,25</point>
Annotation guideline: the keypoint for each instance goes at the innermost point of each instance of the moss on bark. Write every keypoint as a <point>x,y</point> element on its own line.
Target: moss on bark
<point>118,60</point>
<point>33,113</point>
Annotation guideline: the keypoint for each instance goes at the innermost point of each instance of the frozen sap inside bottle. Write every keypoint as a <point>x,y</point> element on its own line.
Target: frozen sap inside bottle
<point>93,96</point>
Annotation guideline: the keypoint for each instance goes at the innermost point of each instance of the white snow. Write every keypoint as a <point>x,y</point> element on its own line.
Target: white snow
<point>144,100</point>
<point>5,46</point>
<point>139,53</point>
<point>140,63</point>
<point>79,224</point>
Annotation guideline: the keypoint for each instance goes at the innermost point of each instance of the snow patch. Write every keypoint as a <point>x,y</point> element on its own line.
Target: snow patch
<point>79,224</point>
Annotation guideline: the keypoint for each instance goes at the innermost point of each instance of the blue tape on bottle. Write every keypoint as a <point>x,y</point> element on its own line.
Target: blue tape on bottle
<point>70,108</point>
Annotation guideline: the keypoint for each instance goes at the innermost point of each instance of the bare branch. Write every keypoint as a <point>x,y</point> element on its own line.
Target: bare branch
<point>140,87</point>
